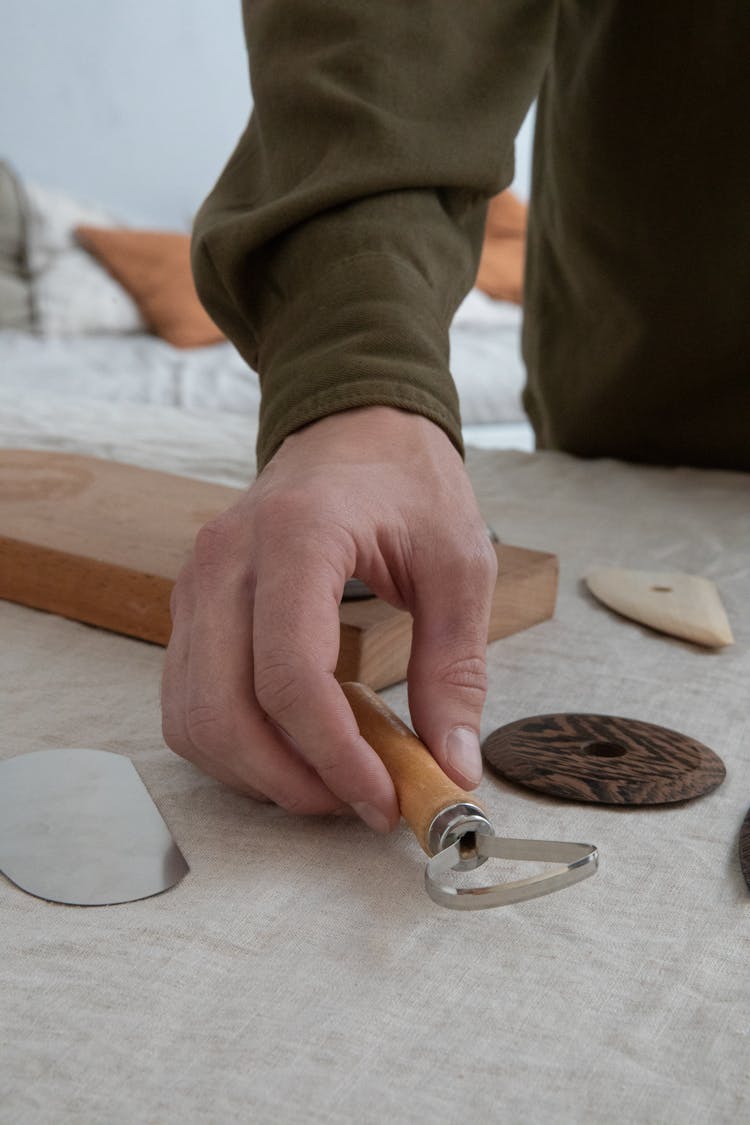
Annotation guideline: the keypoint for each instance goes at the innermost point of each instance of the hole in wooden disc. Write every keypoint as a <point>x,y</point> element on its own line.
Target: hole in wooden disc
<point>605,750</point>
<point>662,589</point>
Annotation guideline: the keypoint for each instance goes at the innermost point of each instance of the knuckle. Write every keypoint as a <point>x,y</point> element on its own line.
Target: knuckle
<point>467,674</point>
<point>171,727</point>
<point>255,794</point>
<point>329,769</point>
<point>170,731</point>
<point>303,804</point>
<point>182,589</point>
<point>207,727</point>
<point>214,546</point>
<point>476,561</point>
<point>486,561</point>
<point>278,686</point>
<point>174,733</point>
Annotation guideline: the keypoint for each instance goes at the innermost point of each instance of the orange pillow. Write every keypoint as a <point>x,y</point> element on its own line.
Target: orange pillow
<point>501,264</point>
<point>154,267</point>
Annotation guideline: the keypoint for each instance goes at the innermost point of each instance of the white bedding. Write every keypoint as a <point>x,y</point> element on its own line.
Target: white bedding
<point>140,368</point>
<point>209,445</point>
<point>128,368</point>
<point>91,346</point>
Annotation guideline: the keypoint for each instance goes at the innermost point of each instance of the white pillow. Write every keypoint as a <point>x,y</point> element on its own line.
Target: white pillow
<point>477,310</point>
<point>486,360</point>
<point>71,293</point>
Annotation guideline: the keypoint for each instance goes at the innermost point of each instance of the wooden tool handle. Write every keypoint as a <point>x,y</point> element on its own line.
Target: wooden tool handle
<point>423,789</point>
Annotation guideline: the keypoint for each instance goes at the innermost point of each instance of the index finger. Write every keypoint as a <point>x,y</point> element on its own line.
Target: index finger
<point>296,644</point>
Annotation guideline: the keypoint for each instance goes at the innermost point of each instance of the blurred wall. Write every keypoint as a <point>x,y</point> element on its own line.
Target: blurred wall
<point>135,105</point>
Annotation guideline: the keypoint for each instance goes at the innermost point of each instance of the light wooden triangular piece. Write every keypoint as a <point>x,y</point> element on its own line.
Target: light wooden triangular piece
<point>684,605</point>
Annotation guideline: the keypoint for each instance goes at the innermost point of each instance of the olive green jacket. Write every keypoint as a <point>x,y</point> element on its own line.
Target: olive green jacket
<point>347,225</point>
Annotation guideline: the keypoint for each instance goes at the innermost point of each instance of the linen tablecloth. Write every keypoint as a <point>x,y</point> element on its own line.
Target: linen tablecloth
<point>299,973</point>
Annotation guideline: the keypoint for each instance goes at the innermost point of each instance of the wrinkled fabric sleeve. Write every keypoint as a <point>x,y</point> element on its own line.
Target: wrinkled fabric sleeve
<point>347,225</point>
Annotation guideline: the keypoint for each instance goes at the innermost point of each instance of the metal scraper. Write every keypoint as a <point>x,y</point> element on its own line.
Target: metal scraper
<point>452,828</point>
<point>79,827</point>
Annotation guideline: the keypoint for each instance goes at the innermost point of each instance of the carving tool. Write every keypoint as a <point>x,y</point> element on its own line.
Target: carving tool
<point>683,605</point>
<point>452,827</point>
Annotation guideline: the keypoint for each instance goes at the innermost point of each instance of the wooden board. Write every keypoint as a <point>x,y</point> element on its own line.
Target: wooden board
<point>102,542</point>
<point>604,759</point>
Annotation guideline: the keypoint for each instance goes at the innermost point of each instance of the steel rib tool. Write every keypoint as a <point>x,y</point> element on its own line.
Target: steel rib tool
<point>452,828</point>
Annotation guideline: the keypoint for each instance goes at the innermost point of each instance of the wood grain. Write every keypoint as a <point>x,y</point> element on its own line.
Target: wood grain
<point>102,542</point>
<point>603,759</point>
<point>745,848</point>
<point>422,788</point>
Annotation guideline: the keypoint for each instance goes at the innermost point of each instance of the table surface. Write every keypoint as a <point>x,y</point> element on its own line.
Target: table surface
<point>300,973</point>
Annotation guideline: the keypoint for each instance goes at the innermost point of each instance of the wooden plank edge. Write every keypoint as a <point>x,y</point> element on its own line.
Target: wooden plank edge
<point>111,597</point>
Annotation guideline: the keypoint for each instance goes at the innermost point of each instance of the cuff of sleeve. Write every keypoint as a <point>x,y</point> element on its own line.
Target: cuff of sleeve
<point>371,334</point>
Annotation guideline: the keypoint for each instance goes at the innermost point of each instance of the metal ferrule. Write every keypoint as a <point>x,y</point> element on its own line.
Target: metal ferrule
<point>460,823</point>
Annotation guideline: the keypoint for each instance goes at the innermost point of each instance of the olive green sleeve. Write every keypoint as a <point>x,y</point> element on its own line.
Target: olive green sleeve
<point>347,224</point>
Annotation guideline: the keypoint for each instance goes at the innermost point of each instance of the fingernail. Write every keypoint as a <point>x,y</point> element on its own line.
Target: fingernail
<point>462,751</point>
<point>372,816</point>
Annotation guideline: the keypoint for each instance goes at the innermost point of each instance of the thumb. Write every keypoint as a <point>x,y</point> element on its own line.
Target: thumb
<point>447,670</point>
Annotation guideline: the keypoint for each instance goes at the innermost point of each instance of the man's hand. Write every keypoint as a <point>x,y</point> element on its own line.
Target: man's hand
<point>249,693</point>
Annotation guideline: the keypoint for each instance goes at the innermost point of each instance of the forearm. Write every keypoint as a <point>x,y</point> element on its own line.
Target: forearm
<point>347,225</point>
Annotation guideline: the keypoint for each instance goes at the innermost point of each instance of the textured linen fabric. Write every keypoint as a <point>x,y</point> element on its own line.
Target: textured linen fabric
<point>299,973</point>
<point>347,224</point>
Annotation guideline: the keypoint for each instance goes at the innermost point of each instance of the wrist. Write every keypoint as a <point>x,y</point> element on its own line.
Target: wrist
<point>363,432</point>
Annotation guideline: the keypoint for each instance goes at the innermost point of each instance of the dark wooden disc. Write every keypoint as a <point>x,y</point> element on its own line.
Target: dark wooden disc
<point>603,758</point>
<point>745,848</point>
